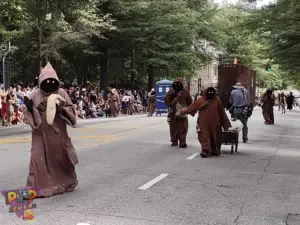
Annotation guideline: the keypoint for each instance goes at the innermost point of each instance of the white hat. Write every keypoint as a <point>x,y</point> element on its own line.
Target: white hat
<point>238,85</point>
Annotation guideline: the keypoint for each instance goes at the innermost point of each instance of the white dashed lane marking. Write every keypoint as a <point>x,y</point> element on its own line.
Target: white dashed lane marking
<point>86,223</point>
<point>193,156</point>
<point>152,182</point>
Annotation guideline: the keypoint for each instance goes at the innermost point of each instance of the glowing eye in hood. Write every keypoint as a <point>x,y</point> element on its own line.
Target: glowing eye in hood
<point>48,81</point>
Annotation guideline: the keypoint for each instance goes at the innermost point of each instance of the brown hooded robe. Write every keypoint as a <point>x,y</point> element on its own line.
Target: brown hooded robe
<point>53,157</point>
<point>178,127</point>
<point>151,103</point>
<point>268,101</point>
<point>114,103</point>
<point>211,118</point>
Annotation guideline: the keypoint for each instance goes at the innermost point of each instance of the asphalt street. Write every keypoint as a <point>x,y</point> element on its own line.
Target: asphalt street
<point>130,175</point>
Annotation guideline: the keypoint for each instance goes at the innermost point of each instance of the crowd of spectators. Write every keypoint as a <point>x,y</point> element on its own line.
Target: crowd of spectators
<point>89,101</point>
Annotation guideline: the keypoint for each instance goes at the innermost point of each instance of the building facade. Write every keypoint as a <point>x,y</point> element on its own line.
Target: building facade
<point>206,76</point>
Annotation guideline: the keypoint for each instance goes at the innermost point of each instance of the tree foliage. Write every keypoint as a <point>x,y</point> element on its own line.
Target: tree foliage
<point>75,36</point>
<point>278,26</point>
<point>242,36</point>
<point>107,40</point>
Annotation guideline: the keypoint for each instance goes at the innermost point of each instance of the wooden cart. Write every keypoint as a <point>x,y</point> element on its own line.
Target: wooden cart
<point>231,137</point>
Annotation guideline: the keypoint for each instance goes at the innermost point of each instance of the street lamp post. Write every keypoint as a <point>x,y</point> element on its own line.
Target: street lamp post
<point>5,50</point>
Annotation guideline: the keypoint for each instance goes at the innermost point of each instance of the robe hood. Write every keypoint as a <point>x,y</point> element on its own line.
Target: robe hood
<point>46,73</point>
<point>149,93</point>
<point>152,90</point>
<point>204,92</point>
<point>179,80</point>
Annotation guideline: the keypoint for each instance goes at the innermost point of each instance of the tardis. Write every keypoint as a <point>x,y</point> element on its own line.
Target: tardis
<point>162,87</point>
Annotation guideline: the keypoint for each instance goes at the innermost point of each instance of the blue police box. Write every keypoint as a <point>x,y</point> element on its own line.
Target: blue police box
<point>162,87</point>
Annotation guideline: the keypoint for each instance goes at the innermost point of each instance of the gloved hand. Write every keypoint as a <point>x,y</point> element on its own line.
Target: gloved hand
<point>182,113</point>
<point>43,106</point>
<point>29,104</point>
<point>59,109</point>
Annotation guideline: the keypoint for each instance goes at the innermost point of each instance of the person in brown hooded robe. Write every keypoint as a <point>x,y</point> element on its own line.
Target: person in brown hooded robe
<point>151,102</point>
<point>211,118</point>
<point>131,103</point>
<point>177,99</point>
<point>268,101</point>
<point>114,102</point>
<point>53,156</point>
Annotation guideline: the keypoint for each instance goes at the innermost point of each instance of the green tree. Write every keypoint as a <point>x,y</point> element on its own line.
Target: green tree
<point>46,28</point>
<point>158,34</point>
<point>277,24</point>
<point>239,38</point>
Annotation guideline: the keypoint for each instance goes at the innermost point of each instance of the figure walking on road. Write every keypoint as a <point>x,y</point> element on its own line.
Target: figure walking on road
<point>130,103</point>
<point>178,99</point>
<point>114,102</point>
<point>53,156</point>
<point>278,101</point>
<point>151,102</point>
<point>290,100</point>
<point>211,118</point>
<point>239,101</point>
<point>282,102</point>
<point>268,101</point>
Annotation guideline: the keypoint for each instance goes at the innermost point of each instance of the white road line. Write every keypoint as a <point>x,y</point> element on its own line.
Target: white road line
<point>193,156</point>
<point>152,182</point>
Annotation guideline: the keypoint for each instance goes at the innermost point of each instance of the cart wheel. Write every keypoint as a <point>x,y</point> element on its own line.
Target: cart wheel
<point>236,147</point>
<point>231,149</point>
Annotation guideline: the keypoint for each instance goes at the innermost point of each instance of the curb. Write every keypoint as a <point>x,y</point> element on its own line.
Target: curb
<point>21,129</point>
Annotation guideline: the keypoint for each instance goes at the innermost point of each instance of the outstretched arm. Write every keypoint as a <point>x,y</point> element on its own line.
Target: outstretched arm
<point>194,107</point>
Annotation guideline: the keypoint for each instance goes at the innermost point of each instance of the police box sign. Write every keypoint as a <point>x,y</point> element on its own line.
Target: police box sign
<point>21,202</point>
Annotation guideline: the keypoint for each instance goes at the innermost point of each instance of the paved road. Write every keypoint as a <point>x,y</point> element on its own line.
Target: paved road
<point>23,129</point>
<point>258,185</point>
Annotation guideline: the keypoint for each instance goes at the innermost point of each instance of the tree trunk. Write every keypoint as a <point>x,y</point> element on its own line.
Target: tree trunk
<point>132,66</point>
<point>150,78</point>
<point>103,71</point>
<point>39,27</point>
<point>132,83</point>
